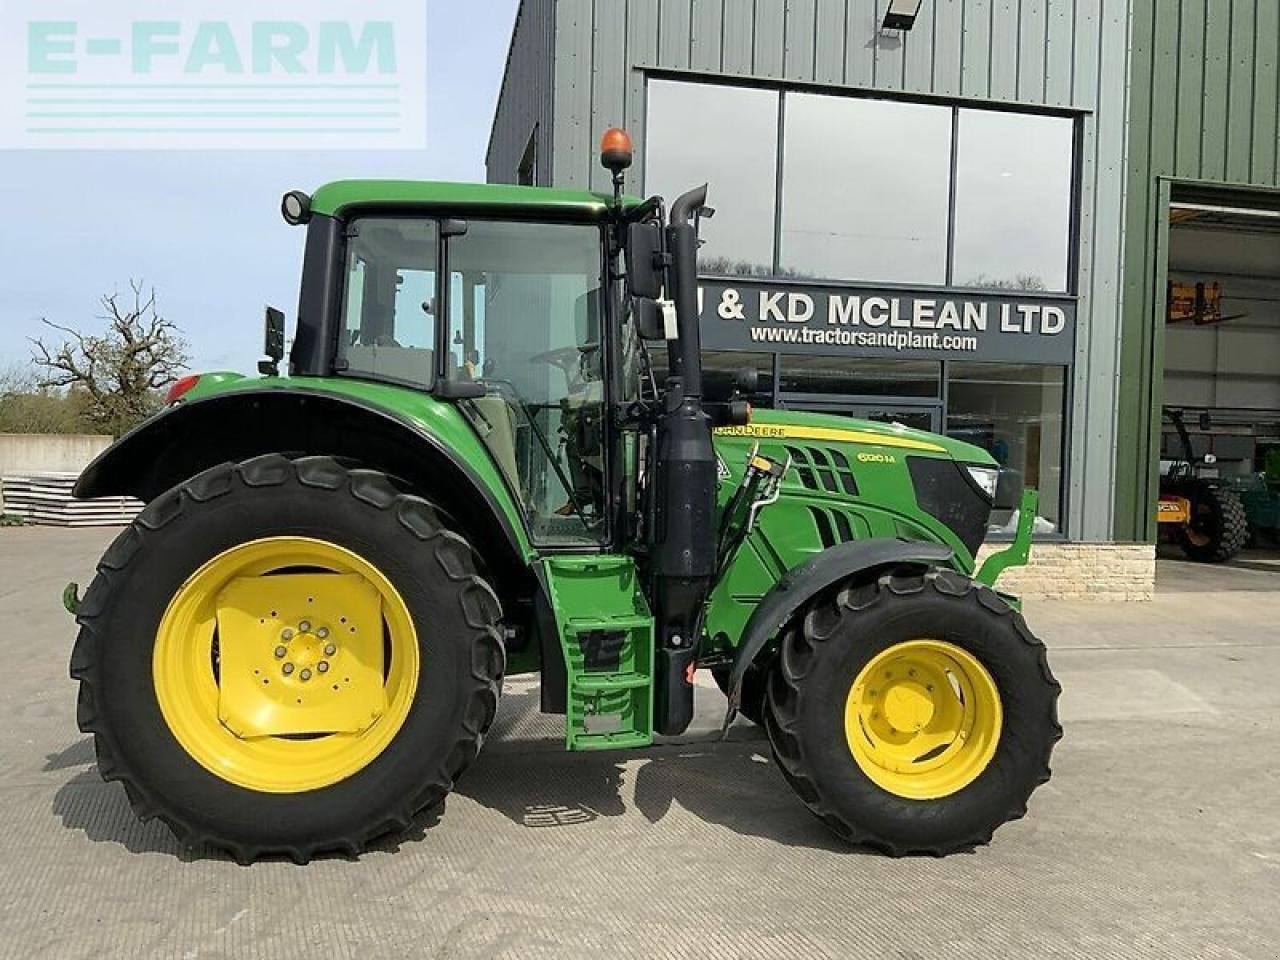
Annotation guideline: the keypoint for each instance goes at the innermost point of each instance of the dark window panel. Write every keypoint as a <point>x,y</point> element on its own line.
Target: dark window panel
<point>1013,201</point>
<point>1016,413</point>
<point>865,189</point>
<point>727,137</point>
<point>854,377</point>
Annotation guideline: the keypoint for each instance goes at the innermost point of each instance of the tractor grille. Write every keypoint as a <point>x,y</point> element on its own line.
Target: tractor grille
<point>945,492</point>
<point>823,468</point>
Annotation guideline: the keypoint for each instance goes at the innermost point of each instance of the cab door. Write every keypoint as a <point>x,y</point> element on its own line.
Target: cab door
<point>526,302</point>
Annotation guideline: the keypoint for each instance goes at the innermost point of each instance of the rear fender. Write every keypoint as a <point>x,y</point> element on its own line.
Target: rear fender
<point>842,562</point>
<point>238,425</point>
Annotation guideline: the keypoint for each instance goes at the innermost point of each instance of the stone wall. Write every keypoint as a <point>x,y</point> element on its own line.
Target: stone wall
<point>1082,571</point>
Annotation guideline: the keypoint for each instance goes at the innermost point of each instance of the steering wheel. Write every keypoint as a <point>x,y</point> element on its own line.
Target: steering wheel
<point>567,359</point>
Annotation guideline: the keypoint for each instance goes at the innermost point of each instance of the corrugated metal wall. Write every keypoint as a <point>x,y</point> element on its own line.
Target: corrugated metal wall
<point>525,103</point>
<point>1060,53</point>
<point>1205,104</point>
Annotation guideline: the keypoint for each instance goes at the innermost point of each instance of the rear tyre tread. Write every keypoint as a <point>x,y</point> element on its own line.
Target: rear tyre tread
<point>453,554</point>
<point>799,643</point>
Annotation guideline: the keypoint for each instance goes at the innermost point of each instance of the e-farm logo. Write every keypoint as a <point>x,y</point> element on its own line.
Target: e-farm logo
<point>190,74</point>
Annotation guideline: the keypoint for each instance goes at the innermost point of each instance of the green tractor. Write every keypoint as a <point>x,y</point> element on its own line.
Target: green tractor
<point>470,472</point>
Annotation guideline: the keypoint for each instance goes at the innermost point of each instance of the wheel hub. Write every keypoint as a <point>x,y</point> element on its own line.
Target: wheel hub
<point>300,654</point>
<point>923,719</point>
<point>908,706</point>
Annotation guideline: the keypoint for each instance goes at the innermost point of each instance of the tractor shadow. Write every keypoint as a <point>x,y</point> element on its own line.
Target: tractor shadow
<point>731,783</point>
<point>101,811</point>
<point>524,774</point>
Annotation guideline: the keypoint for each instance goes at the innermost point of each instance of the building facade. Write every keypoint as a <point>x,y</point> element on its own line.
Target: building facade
<point>1203,137</point>
<point>932,226</point>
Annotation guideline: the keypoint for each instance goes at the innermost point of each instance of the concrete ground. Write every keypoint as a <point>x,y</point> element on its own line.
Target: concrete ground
<point>1159,835</point>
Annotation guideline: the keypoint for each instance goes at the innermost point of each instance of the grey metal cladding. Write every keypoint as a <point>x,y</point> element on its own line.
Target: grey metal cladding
<point>526,101</point>
<point>1063,54</point>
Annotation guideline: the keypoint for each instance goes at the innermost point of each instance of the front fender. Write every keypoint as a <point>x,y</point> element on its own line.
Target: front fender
<point>820,572</point>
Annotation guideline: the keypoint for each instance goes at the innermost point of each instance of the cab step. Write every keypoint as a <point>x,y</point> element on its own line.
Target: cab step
<point>606,633</point>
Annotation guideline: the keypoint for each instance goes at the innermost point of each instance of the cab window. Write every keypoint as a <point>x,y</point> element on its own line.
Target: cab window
<point>389,324</point>
<point>525,303</point>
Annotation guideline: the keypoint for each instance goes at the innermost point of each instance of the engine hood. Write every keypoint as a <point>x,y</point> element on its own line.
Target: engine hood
<point>796,425</point>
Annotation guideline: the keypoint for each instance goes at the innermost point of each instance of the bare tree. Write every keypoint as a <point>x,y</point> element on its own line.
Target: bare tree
<point>15,381</point>
<point>122,370</point>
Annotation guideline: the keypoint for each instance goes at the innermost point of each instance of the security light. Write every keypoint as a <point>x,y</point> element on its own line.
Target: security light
<point>901,14</point>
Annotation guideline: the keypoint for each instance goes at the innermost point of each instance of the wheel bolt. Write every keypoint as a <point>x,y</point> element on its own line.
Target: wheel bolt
<point>287,669</point>
<point>323,666</point>
<point>330,650</point>
<point>280,652</point>
<point>286,634</point>
<point>322,632</point>
<point>304,626</point>
<point>305,675</point>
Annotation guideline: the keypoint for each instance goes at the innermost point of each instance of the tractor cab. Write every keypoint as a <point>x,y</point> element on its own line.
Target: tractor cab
<point>504,316</point>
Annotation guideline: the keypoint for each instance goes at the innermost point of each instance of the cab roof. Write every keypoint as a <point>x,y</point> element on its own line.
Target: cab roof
<point>333,199</point>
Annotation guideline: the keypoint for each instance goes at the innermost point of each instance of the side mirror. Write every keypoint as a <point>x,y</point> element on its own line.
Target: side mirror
<point>273,334</point>
<point>648,318</point>
<point>272,342</point>
<point>643,246</point>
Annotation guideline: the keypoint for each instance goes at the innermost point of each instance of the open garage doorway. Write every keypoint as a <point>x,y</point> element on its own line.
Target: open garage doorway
<point>1220,439</point>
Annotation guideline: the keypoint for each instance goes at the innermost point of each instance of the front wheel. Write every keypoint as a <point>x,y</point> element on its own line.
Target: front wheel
<point>287,657</point>
<point>913,714</point>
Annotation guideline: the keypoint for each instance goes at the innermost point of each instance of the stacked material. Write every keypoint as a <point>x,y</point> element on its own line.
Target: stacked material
<point>46,498</point>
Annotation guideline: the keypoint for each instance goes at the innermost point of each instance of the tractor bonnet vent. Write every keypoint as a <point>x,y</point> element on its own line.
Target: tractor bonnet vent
<point>823,468</point>
<point>837,526</point>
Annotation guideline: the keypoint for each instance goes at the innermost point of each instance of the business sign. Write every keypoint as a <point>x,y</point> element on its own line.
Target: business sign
<point>190,74</point>
<point>876,322</point>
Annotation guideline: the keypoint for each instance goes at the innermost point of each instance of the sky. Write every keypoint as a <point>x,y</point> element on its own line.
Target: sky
<point>204,228</point>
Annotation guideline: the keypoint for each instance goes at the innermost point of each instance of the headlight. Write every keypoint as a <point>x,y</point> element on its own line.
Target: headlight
<point>987,478</point>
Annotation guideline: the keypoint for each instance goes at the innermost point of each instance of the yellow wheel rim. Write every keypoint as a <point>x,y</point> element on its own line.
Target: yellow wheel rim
<point>286,664</point>
<point>923,719</point>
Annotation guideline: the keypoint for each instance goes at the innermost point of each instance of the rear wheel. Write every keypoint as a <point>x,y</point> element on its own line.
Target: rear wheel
<point>1219,526</point>
<point>913,714</point>
<point>287,656</point>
